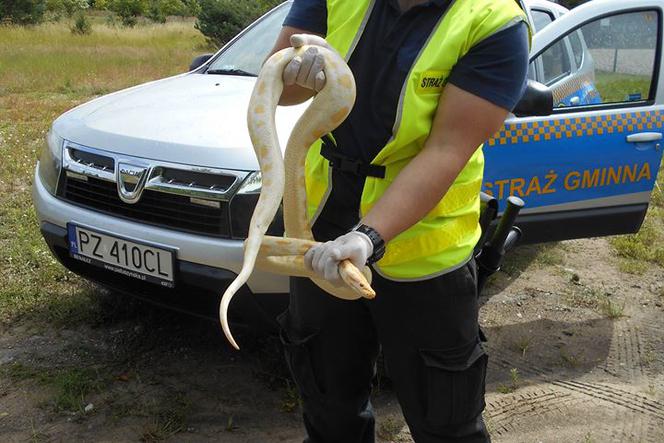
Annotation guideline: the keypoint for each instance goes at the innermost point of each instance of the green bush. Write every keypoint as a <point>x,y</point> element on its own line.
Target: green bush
<point>127,10</point>
<point>173,7</point>
<point>221,20</point>
<point>81,25</point>
<point>193,7</point>
<point>156,12</point>
<point>22,12</point>
<point>57,8</point>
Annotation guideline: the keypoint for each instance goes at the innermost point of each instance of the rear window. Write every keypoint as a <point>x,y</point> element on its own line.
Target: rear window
<point>540,18</point>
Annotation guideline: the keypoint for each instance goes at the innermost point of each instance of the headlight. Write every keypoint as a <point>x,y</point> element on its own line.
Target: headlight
<point>242,207</point>
<point>50,161</point>
<point>252,184</point>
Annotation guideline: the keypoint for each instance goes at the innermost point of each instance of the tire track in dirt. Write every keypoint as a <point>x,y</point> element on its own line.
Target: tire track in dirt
<point>634,358</point>
<point>524,405</point>
<point>625,358</point>
<point>636,427</point>
<point>615,395</point>
<point>653,335</point>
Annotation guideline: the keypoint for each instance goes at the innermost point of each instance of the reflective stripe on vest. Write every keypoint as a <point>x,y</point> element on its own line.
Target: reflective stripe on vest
<point>446,236</point>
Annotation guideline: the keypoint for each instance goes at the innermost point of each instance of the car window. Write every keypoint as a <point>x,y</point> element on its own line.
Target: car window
<point>555,63</point>
<point>577,47</point>
<point>249,51</point>
<point>615,59</point>
<point>540,19</point>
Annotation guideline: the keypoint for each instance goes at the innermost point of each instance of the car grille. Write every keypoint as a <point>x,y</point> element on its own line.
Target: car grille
<point>156,208</point>
<point>185,198</point>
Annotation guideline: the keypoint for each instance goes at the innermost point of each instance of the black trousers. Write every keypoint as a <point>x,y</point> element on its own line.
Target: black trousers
<point>428,331</point>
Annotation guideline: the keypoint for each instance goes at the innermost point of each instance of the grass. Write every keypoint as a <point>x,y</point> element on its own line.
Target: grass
<point>69,387</point>
<point>515,381</point>
<point>647,245</point>
<point>632,266</point>
<point>612,310</point>
<point>580,296</point>
<point>523,344</point>
<point>614,87</point>
<point>290,401</point>
<point>44,71</point>
<point>49,58</point>
<point>166,421</point>
<point>569,359</point>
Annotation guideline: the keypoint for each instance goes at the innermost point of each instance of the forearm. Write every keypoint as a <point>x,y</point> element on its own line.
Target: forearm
<point>454,138</point>
<point>418,188</point>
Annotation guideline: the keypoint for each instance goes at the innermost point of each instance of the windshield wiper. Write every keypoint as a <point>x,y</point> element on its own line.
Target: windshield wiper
<point>233,71</point>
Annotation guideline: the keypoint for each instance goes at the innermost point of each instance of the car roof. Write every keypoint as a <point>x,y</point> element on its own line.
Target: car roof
<point>545,4</point>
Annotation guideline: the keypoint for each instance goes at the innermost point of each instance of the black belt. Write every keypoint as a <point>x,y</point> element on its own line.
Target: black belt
<point>343,163</point>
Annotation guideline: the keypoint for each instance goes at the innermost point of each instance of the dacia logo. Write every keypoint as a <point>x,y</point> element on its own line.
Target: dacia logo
<point>132,172</point>
<point>432,82</point>
<point>131,181</point>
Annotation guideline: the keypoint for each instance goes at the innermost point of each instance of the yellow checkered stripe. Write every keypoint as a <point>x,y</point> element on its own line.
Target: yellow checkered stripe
<point>566,128</point>
<point>569,87</point>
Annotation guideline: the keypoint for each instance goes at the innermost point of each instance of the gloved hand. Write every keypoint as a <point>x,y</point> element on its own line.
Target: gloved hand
<point>324,259</point>
<point>306,70</point>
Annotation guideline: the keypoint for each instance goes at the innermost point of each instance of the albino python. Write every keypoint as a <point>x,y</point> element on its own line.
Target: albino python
<point>326,111</point>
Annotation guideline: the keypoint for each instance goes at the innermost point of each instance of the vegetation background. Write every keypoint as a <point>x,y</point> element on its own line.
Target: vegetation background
<point>217,20</point>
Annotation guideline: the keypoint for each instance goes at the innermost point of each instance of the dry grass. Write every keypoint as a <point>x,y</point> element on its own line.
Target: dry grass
<point>44,71</point>
<point>49,58</point>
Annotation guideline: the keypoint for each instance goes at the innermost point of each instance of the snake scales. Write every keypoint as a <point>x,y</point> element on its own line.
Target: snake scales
<point>284,177</point>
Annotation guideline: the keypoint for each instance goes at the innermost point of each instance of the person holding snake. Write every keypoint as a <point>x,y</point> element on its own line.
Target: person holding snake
<point>396,186</point>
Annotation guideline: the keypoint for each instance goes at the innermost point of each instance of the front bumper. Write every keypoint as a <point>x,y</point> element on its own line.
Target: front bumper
<point>204,266</point>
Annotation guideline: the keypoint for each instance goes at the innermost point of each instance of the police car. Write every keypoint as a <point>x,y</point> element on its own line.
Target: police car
<point>150,190</point>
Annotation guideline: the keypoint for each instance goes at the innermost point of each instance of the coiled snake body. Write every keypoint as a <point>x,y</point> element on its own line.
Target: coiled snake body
<point>326,111</point>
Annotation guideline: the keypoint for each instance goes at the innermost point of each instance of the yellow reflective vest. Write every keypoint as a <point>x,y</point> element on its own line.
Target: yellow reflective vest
<point>445,238</point>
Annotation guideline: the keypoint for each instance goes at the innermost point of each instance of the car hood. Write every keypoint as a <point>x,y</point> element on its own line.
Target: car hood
<point>194,119</point>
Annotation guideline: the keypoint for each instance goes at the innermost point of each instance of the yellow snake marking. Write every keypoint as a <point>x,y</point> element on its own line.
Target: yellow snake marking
<point>340,115</point>
<point>317,133</point>
<point>346,81</point>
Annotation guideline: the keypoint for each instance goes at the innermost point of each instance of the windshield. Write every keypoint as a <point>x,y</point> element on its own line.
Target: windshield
<point>247,53</point>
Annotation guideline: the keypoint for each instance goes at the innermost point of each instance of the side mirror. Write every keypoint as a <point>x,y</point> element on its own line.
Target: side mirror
<point>199,61</point>
<point>537,99</point>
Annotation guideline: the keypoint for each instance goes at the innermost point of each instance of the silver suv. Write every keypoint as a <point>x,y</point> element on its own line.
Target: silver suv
<point>150,190</point>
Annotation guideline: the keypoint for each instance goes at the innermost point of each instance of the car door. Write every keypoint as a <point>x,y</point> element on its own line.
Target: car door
<point>590,167</point>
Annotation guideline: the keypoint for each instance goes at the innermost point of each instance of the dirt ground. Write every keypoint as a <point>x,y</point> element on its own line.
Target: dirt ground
<point>576,355</point>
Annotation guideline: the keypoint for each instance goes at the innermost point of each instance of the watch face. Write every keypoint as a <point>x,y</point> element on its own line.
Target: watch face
<point>376,240</point>
<point>375,237</point>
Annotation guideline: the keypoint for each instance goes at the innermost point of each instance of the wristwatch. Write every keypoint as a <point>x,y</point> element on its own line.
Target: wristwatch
<point>376,240</point>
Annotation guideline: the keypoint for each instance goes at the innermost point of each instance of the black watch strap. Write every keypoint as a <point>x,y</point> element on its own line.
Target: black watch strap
<point>376,240</point>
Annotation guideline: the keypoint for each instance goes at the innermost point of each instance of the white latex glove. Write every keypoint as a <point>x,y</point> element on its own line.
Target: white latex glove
<point>306,70</point>
<point>324,259</point>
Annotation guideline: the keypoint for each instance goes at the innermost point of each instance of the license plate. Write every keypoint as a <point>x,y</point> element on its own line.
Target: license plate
<point>138,260</point>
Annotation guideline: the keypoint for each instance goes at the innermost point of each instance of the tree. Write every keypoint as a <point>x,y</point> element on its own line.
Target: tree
<point>128,10</point>
<point>221,20</point>
<point>571,3</point>
<point>67,7</point>
<point>22,12</point>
